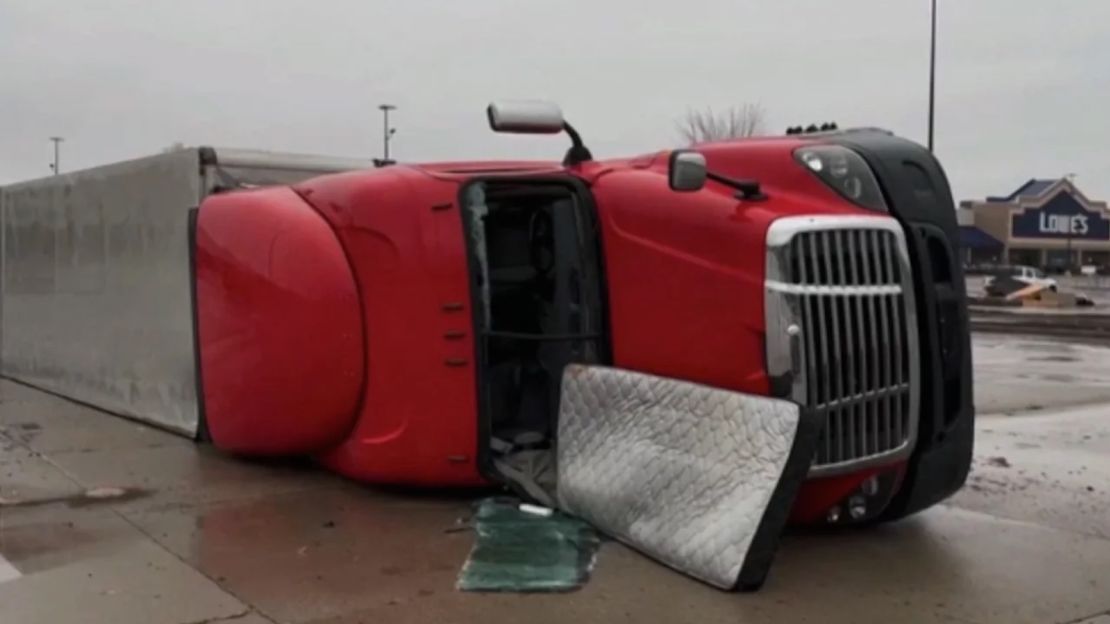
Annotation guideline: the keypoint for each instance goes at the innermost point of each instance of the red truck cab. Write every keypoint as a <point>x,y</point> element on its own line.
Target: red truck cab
<point>410,324</point>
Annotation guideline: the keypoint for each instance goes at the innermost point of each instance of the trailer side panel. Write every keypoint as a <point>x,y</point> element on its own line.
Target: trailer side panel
<point>96,293</point>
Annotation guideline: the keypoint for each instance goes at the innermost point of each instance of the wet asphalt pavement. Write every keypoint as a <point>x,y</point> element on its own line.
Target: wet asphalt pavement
<point>197,536</point>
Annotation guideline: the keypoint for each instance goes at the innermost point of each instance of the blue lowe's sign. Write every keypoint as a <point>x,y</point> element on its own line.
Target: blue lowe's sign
<point>1061,217</point>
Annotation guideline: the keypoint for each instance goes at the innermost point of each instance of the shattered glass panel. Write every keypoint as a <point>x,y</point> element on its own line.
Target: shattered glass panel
<point>515,551</point>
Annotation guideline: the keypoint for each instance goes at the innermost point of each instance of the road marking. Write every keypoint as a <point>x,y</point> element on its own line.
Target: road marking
<point>7,571</point>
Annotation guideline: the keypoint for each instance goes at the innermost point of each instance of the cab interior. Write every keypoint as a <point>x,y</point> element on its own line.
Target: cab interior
<point>537,286</point>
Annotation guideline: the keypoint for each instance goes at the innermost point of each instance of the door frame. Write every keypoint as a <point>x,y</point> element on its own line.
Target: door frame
<point>588,208</point>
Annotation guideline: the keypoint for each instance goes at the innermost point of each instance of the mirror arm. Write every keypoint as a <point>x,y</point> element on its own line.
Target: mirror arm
<point>745,189</point>
<point>578,152</point>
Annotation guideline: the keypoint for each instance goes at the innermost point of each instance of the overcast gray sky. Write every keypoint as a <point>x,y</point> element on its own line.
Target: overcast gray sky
<point>1023,85</point>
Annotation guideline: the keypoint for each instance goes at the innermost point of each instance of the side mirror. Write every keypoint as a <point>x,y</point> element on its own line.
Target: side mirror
<point>687,171</point>
<point>525,117</point>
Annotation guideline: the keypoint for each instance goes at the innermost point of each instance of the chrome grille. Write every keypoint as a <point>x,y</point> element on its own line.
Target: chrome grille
<point>840,316</point>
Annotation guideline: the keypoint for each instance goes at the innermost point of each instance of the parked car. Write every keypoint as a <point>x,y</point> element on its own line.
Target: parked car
<point>1025,274</point>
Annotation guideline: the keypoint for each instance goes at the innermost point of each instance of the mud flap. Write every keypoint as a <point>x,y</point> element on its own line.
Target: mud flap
<point>698,478</point>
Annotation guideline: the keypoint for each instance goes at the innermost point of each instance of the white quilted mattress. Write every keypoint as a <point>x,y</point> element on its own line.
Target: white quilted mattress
<point>699,478</point>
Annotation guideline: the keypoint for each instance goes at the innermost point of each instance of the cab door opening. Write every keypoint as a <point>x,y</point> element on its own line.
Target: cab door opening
<point>538,307</point>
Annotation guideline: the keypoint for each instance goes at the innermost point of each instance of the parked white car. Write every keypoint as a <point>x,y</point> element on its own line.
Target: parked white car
<point>1026,274</point>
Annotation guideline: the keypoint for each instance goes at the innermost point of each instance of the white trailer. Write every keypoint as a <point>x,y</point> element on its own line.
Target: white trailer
<point>96,287</point>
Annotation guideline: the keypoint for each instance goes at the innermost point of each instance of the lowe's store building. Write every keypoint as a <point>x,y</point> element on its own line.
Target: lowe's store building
<point>1048,224</point>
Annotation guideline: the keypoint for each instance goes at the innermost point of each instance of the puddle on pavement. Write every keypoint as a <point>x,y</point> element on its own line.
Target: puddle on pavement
<point>515,551</point>
<point>14,435</point>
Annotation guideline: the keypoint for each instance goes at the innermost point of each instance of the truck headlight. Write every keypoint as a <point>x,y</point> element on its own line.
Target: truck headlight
<point>846,172</point>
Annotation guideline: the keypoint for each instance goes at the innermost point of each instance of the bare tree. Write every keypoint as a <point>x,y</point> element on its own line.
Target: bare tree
<point>736,121</point>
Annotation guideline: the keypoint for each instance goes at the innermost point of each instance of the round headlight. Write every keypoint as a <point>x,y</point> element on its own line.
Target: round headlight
<point>853,188</point>
<point>812,160</point>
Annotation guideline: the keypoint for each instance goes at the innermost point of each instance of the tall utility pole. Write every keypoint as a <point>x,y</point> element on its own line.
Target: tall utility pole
<point>54,166</point>
<point>387,132</point>
<point>932,70</point>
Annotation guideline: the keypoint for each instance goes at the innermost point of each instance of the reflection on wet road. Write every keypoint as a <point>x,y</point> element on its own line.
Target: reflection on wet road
<point>1014,374</point>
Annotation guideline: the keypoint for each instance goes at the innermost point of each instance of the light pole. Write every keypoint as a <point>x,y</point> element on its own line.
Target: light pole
<point>932,69</point>
<point>387,132</point>
<point>56,140</point>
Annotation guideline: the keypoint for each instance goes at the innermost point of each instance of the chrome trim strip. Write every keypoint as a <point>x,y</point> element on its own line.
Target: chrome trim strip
<point>886,325</point>
<point>824,390</point>
<point>816,289</point>
<point>849,340</point>
<point>899,325</point>
<point>837,414</point>
<point>783,230</point>
<point>874,348</point>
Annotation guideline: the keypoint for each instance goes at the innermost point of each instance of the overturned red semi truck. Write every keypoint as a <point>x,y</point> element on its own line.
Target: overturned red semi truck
<point>412,323</point>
